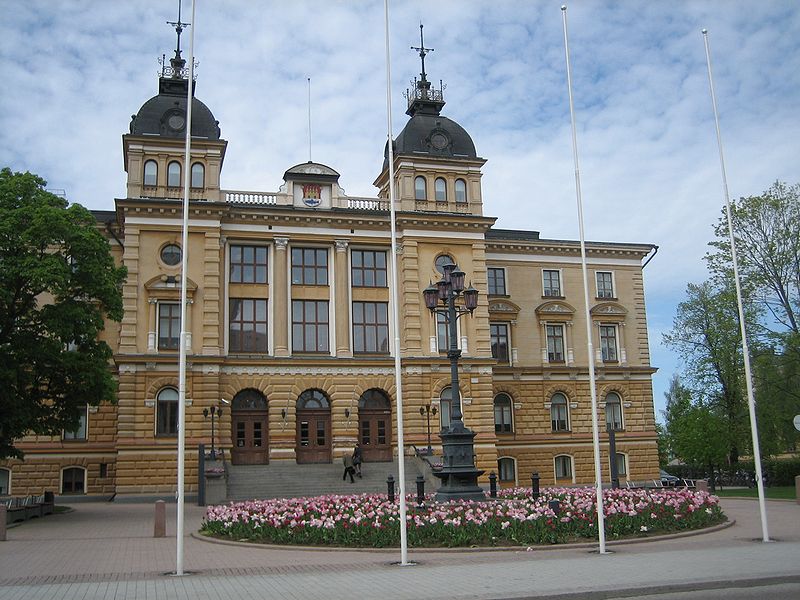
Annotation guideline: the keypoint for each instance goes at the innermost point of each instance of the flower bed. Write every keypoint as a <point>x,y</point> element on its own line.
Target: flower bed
<point>514,519</point>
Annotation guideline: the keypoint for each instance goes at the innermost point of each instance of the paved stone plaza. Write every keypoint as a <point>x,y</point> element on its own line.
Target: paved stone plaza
<point>106,550</point>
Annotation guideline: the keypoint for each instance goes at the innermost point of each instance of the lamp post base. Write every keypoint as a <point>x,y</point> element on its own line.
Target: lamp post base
<point>458,474</point>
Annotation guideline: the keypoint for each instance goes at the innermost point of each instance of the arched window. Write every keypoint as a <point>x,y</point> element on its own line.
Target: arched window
<point>445,402</point>
<point>313,400</point>
<point>249,399</point>
<point>420,188</point>
<point>73,480</point>
<point>174,174</point>
<point>440,189</point>
<point>622,465</point>
<point>374,398</point>
<point>150,173</point>
<point>506,469</point>
<point>559,415</point>
<point>461,190</point>
<point>563,466</point>
<point>502,413</point>
<point>5,482</point>
<point>167,412</point>
<point>613,411</point>
<point>198,175</point>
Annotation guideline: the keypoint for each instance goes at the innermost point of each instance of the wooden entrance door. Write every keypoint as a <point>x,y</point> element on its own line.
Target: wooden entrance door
<point>375,426</point>
<point>249,429</point>
<point>375,435</point>
<point>313,436</point>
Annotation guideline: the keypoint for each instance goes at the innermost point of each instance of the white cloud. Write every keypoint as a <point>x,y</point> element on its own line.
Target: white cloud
<point>75,71</point>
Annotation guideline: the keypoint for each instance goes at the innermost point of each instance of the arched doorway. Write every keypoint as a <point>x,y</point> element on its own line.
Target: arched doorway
<point>375,426</point>
<point>313,427</point>
<point>249,428</point>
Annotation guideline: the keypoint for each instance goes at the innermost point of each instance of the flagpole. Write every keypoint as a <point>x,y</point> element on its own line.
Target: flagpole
<point>601,534</point>
<point>183,337</point>
<point>745,349</point>
<point>309,119</point>
<point>401,465</point>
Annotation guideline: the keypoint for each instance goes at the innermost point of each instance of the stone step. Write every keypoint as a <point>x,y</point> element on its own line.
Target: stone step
<point>285,479</point>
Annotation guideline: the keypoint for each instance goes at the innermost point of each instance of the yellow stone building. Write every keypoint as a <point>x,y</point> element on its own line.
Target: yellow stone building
<point>291,320</point>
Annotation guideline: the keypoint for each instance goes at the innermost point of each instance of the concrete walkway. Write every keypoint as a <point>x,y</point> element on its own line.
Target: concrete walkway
<point>106,550</point>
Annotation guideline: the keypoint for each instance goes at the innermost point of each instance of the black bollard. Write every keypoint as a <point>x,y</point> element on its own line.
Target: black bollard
<point>555,506</point>
<point>390,488</point>
<point>492,485</point>
<point>535,485</point>
<point>420,490</point>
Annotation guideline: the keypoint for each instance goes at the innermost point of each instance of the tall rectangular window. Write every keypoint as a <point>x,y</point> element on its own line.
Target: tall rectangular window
<point>248,264</point>
<point>551,283</point>
<point>169,326</point>
<point>371,327</point>
<point>497,281</point>
<point>605,284</point>
<point>309,266</point>
<point>442,339</point>
<point>608,342</point>
<point>368,268</point>
<point>79,433</point>
<point>310,326</point>
<point>247,325</point>
<point>555,343</point>
<point>499,335</point>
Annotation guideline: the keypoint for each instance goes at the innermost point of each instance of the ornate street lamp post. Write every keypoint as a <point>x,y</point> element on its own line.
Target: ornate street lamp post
<point>458,474</point>
<point>215,412</point>
<point>428,410</point>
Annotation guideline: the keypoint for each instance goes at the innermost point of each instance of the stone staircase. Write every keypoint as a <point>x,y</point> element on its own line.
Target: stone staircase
<point>285,479</point>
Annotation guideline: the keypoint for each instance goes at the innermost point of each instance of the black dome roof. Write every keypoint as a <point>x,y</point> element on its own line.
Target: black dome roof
<point>433,135</point>
<point>165,115</point>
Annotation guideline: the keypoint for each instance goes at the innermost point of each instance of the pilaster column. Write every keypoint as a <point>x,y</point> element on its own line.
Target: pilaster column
<point>189,303</point>
<point>623,355</point>
<point>152,318</point>
<point>341,299</point>
<point>279,293</point>
<point>569,342</point>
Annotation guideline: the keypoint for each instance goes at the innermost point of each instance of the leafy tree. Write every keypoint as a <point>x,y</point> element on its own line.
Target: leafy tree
<point>58,282</point>
<point>706,334</point>
<point>776,378</point>
<point>767,233</point>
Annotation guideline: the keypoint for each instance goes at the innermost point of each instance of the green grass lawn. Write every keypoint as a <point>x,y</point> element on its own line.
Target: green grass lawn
<point>778,492</point>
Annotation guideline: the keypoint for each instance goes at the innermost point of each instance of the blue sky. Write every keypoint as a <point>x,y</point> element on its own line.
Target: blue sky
<point>74,72</point>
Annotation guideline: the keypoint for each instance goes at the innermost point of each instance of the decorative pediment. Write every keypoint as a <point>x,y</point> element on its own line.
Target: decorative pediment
<point>609,309</point>
<point>503,307</point>
<point>555,308</point>
<point>168,286</point>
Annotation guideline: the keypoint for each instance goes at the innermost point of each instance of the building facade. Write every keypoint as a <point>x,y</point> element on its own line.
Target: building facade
<point>291,322</point>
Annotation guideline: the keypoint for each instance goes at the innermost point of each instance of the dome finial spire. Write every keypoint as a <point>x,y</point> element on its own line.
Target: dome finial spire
<point>422,97</point>
<point>422,52</point>
<point>178,62</point>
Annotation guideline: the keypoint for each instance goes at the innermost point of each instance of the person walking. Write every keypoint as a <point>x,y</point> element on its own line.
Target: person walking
<point>347,460</point>
<point>357,459</point>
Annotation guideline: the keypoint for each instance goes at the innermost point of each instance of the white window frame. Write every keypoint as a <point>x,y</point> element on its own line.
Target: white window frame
<point>424,189</point>
<point>597,285</point>
<point>625,465</point>
<point>436,191</point>
<point>455,191</point>
<point>621,411</point>
<point>156,433</point>
<point>439,350</point>
<point>85,428</point>
<point>571,467</point>
<point>560,284</point>
<point>159,304</point>
<point>7,471</point>
<point>507,325</point>
<point>180,174</point>
<point>144,173</point>
<point>510,412</point>
<point>566,407</point>
<point>506,291</point>
<point>615,327</point>
<point>513,469</point>
<point>85,479</point>
<point>563,342</point>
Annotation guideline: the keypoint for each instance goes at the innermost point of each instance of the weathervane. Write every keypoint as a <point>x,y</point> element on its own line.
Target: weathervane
<point>422,52</point>
<point>178,25</point>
